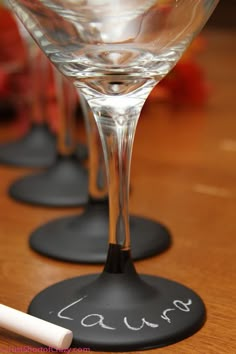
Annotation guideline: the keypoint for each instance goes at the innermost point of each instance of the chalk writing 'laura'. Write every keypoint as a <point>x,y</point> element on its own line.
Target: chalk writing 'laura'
<point>96,319</point>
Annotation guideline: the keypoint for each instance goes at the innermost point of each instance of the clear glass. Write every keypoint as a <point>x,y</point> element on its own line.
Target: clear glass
<point>102,42</point>
<point>115,52</point>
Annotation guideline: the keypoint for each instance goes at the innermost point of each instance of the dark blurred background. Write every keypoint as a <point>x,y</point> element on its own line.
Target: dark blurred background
<point>224,15</point>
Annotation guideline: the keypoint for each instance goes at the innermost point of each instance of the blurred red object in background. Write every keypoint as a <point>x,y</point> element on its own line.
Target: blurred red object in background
<point>186,84</point>
<point>13,62</point>
<point>13,49</point>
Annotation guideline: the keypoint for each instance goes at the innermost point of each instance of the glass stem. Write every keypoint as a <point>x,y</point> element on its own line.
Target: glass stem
<point>116,118</point>
<point>39,75</point>
<point>66,100</point>
<point>97,174</point>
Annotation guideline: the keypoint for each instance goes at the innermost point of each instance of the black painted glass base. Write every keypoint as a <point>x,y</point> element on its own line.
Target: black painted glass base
<point>64,184</point>
<point>35,149</point>
<point>84,238</point>
<point>121,311</point>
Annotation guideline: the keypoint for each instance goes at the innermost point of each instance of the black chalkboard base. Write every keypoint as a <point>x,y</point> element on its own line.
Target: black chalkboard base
<point>37,148</point>
<point>64,184</point>
<point>119,310</point>
<point>83,238</point>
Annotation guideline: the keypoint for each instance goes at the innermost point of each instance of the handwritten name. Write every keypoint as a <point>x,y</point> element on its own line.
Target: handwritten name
<point>97,319</point>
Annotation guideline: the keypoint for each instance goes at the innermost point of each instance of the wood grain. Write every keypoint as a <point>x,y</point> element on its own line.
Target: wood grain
<point>184,174</point>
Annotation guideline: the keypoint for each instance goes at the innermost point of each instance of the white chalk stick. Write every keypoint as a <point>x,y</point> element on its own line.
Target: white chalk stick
<point>34,328</point>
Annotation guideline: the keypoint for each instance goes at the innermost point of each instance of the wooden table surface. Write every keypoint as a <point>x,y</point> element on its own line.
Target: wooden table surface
<point>183,174</point>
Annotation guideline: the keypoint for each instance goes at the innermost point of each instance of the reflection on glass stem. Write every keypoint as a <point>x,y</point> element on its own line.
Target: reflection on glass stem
<point>66,99</point>
<point>38,68</point>
<point>97,174</point>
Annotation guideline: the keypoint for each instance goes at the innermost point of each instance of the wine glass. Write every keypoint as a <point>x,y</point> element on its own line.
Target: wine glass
<point>115,53</point>
<point>65,182</point>
<point>83,237</point>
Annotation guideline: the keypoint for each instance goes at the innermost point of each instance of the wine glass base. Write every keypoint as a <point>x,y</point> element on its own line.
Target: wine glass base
<point>121,312</point>
<point>35,149</point>
<point>64,184</point>
<point>83,238</point>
